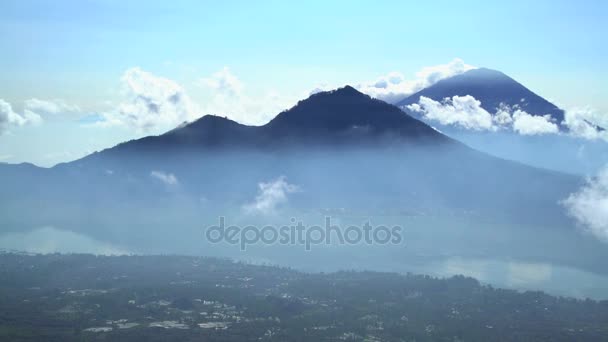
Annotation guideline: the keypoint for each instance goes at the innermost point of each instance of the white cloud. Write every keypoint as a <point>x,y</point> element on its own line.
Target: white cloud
<point>393,86</point>
<point>32,117</point>
<point>526,124</point>
<point>503,117</point>
<point>49,107</point>
<point>462,111</point>
<point>270,196</point>
<point>224,82</point>
<point>321,88</point>
<point>9,118</point>
<point>151,102</point>
<point>466,112</point>
<point>585,123</point>
<point>166,178</point>
<point>589,206</point>
<point>228,98</point>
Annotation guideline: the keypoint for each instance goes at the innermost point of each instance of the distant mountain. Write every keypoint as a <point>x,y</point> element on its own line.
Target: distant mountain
<point>346,112</point>
<point>492,88</point>
<point>339,117</point>
<point>340,151</point>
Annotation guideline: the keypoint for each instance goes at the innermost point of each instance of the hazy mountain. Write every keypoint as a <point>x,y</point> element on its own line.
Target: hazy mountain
<point>492,88</point>
<point>340,153</point>
<point>328,143</point>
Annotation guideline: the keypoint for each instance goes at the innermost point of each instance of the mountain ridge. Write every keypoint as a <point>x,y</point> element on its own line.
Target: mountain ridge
<point>338,117</point>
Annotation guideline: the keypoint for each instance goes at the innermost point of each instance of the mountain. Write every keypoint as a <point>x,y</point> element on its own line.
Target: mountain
<point>492,88</point>
<point>346,112</point>
<point>338,152</point>
<point>340,117</point>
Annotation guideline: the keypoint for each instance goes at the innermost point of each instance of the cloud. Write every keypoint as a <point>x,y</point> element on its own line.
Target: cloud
<point>51,240</point>
<point>321,88</point>
<point>151,102</point>
<point>49,107</point>
<point>270,196</point>
<point>526,124</point>
<point>224,82</point>
<point>166,178</point>
<point>462,111</point>
<point>503,116</point>
<point>585,123</point>
<point>589,206</point>
<point>466,112</point>
<point>393,86</point>
<point>9,118</point>
<point>227,97</point>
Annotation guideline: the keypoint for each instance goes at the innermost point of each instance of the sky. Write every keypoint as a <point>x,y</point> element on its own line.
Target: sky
<point>81,76</point>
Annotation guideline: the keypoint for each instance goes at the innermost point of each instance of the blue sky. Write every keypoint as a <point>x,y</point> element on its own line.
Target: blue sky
<point>78,53</point>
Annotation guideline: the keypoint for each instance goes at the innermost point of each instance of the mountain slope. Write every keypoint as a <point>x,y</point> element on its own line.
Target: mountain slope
<point>492,88</point>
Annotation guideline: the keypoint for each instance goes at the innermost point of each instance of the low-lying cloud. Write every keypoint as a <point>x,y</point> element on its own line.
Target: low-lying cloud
<point>462,111</point>
<point>270,196</point>
<point>466,112</point>
<point>586,123</point>
<point>527,124</point>
<point>589,206</point>
<point>164,177</point>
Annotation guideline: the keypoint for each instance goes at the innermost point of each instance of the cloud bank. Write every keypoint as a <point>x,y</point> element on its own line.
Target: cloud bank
<point>589,206</point>
<point>466,112</point>
<point>270,196</point>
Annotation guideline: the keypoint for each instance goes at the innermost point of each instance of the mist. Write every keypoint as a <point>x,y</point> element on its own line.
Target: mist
<point>450,201</point>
